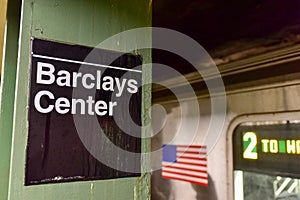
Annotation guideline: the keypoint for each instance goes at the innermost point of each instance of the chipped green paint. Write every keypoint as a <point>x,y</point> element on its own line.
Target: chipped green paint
<point>83,22</point>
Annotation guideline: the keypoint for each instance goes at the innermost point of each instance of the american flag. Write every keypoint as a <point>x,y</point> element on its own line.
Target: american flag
<point>185,163</point>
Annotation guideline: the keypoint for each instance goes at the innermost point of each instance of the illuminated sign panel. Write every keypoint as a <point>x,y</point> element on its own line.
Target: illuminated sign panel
<point>273,149</point>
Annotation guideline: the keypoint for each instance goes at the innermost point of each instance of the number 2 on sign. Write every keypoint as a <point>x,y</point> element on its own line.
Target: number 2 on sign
<point>249,144</point>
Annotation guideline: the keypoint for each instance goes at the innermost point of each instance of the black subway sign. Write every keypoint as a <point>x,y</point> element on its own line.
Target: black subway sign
<point>74,92</point>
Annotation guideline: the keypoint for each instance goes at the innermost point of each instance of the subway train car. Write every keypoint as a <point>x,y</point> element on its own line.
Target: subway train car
<point>246,112</point>
<point>256,152</point>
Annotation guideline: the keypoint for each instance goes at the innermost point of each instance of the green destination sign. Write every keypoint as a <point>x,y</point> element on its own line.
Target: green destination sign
<point>273,149</point>
<point>274,146</point>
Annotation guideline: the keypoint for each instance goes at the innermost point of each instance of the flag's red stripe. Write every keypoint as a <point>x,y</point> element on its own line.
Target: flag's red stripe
<point>195,164</point>
<point>182,168</point>
<point>181,179</point>
<point>192,146</point>
<point>192,152</point>
<point>185,174</point>
<point>192,158</point>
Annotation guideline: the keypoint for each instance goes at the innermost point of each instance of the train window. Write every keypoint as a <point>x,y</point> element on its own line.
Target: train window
<point>266,160</point>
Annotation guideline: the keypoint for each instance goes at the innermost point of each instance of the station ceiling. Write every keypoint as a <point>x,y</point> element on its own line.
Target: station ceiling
<point>226,27</point>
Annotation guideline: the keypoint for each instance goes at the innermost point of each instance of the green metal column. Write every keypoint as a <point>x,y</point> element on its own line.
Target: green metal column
<point>8,80</point>
<point>83,22</point>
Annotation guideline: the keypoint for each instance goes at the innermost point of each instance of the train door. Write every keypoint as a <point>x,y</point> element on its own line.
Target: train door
<point>266,160</point>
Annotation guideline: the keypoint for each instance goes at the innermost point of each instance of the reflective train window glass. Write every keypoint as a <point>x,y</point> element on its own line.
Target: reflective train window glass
<point>266,158</point>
